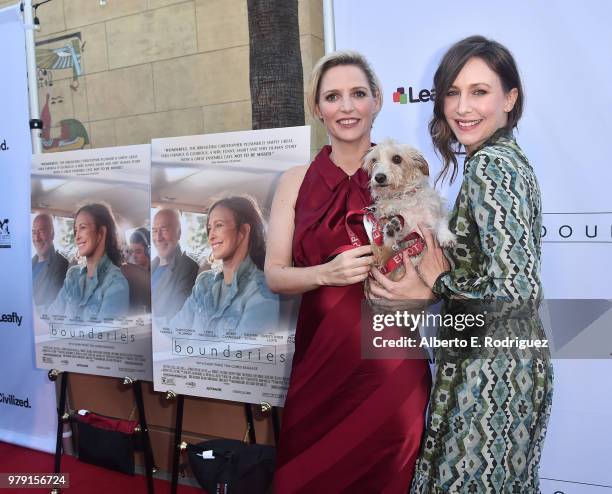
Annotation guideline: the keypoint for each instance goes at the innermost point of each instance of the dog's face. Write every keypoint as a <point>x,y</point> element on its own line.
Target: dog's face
<point>393,167</point>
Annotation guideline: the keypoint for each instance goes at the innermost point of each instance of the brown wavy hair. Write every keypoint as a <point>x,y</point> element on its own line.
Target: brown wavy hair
<point>246,211</point>
<point>102,215</point>
<point>500,60</point>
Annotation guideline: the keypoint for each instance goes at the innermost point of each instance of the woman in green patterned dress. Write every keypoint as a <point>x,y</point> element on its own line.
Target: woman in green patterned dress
<point>489,407</point>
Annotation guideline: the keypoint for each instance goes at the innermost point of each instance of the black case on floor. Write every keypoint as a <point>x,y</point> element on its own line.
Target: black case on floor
<point>237,467</point>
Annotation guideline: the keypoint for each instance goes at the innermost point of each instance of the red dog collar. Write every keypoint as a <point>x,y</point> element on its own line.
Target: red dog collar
<point>412,250</point>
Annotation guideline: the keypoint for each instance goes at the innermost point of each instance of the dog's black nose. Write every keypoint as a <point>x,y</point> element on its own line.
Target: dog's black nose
<point>380,178</point>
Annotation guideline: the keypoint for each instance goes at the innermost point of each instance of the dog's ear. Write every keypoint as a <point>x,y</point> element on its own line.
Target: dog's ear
<point>368,158</point>
<point>420,162</point>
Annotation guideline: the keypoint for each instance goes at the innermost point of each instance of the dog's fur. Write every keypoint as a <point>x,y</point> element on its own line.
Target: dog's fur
<point>400,187</point>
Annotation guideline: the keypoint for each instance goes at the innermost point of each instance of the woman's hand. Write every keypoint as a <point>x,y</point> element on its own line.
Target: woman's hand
<point>415,285</point>
<point>351,266</point>
<point>434,262</point>
<point>409,288</point>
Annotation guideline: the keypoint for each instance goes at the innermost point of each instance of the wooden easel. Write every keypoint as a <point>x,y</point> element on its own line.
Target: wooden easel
<point>64,416</point>
<point>178,445</point>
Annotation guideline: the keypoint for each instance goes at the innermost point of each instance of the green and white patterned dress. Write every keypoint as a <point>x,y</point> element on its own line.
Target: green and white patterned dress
<point>488,416</point>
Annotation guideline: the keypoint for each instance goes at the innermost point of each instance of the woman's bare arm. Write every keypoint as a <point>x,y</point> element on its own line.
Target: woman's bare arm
<point>347,268</point>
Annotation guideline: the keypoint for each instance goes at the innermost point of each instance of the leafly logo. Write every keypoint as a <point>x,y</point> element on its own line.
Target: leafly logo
<point>5,234</point>
<point>413,95</point>
<point>11,318</point>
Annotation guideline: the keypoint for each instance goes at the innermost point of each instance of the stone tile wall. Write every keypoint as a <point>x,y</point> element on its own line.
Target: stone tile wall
<point>159,68</point>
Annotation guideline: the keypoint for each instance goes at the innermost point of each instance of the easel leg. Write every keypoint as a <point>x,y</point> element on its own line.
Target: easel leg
<point>275,425</point>
<point>61,409</point>
<point>148,452</point>
<point>178,431</point>
<point>250,423</point>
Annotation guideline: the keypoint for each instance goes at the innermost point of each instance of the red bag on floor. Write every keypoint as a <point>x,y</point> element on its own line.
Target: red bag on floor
<point>106,441</point>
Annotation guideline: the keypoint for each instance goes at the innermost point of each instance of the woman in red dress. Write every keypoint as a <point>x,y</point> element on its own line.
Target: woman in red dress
<point>350,424</point>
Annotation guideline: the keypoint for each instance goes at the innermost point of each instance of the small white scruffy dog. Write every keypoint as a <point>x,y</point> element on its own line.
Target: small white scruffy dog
<point>399,184</point>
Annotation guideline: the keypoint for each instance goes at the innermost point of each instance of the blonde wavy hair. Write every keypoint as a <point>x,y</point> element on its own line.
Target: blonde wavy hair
<point>335,59</point>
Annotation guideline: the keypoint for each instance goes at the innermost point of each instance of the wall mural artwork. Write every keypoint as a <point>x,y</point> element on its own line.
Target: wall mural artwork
<point>59,59</point>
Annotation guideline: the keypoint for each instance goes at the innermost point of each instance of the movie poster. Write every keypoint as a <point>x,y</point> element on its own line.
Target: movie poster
<point>218,330</point>
<point>91,261</point>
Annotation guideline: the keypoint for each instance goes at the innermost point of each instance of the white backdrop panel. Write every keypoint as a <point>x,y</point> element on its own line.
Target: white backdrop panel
<point>27,398</point>
<point>564,53</point>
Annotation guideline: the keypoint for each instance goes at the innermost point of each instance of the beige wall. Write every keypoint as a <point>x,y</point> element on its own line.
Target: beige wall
<point>160,68</point>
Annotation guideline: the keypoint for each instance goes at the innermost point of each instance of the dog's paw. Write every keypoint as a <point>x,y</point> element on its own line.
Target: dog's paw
<point>392,230</point>
<point>446,238</point>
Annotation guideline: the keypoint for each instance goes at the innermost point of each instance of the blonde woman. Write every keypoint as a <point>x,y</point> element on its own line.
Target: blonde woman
<point>349,424</point>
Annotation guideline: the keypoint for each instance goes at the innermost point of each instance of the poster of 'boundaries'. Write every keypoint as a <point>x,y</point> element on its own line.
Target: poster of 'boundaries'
<point>218,330</point>
<point>91,293</point>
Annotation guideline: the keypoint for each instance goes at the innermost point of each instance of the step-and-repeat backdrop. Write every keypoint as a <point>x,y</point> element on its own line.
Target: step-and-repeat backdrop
<point>27,397</point>
<point>563,52</point>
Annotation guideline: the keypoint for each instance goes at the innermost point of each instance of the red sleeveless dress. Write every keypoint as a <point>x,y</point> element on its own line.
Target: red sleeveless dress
<point>350,425</point>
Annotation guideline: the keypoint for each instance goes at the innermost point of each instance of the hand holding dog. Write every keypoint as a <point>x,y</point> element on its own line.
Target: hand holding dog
<point>409,288</point>
<point>348,267</point>
<point>433,262</point>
